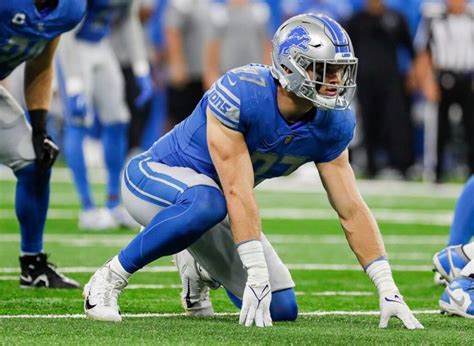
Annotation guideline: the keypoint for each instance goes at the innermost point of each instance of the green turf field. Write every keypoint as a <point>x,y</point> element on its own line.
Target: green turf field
<point>337,302</point>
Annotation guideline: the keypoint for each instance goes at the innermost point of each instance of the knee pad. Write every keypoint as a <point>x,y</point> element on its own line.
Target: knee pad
<point>282,308</point>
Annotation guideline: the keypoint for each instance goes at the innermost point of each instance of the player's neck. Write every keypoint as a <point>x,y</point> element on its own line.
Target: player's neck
<point>292,107</point>
<point>42,4</point>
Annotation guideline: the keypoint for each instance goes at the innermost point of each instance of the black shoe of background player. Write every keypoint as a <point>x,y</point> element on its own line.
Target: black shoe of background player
<point>36,271</point>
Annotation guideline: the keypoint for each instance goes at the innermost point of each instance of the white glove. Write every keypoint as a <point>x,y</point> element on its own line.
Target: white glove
<point>392,305</point>
<point>257,294</point>
<point>391,302</point>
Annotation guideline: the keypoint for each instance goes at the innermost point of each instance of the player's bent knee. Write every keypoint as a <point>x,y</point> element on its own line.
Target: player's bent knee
<point>33,176</point>
<point>208,203</point>
<point>284,306</point>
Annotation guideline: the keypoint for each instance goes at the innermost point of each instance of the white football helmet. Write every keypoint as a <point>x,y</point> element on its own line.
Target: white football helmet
<point>317,43</point>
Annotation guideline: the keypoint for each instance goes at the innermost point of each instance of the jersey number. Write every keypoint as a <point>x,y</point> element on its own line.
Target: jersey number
<point>266,161</point>
<point>251,76</point>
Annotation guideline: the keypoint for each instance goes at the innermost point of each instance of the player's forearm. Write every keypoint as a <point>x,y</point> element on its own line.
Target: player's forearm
<point>243,214</point>
<point>363,235</point>
<point>39,78</point>
<point>38,82</point>
<point>175,47</point>
<point>211,63</point>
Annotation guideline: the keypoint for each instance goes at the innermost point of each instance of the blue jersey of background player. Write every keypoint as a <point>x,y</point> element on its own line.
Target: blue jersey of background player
<point>245,100</point>
<point>29,32</point>
<point>25,30</point>
<point>101,16</point>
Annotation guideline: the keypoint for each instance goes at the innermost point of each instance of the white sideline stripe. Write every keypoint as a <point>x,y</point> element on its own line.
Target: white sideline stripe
<point>151,287</point>
<point>336,293</point>
<point>156,315</point>
<point>104,239</point>
<point>304,180</point>
<point>442,218</point>
<point>311,266</point>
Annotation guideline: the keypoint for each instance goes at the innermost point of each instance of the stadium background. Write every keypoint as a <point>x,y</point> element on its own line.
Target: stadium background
<point>337,301</point>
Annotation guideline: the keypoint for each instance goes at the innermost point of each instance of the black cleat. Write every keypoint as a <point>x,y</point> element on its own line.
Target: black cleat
<point>36,271</point>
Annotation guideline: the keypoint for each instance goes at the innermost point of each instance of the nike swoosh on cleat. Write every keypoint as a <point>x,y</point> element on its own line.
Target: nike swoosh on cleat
<point>89,305</point>
<point>459,302</point>
<point>189,304</point>
<point>27,279</point>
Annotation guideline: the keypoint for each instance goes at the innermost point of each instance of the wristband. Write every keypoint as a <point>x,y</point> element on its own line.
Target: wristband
<point>38,120</point>
<point>253,259</point>
<point>141,68</point>
<point>381,275</point>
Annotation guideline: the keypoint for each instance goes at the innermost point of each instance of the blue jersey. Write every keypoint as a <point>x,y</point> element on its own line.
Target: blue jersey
<point>245,100</point>
<point>25,31</point>
<point>100,18</point>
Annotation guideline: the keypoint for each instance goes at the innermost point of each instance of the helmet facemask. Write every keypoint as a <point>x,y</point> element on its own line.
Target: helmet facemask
<point>328,84</point>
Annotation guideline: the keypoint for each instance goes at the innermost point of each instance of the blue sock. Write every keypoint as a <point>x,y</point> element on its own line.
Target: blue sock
<point>114,139</point>
<point>176,227</point>
<point>74,154</point>
<point>282,308</point>
<point>31,206</point>
<point>462,228</point>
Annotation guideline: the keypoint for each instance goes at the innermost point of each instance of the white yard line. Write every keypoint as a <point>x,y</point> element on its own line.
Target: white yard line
<point>442,218</point>
<point>151,287</point>
<point>302,266</point>
<point>156,315</point>
<point>336,293</point>
<point>304,180</point>
<point>104,239</point>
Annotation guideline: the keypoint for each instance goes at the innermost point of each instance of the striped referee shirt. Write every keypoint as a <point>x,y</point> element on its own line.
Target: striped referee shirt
<point>449,39</point>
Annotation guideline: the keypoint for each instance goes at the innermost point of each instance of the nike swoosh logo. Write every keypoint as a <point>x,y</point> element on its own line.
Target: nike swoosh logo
<point>231,82</point>
<point>27,279</point>
<point>89,305</point>
<point>393,300</point>
<point>189,304</point>
<point>459,302</point>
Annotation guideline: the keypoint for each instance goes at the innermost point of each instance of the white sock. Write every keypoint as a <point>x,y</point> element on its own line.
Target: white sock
<point>468,270</point>
<point>30,253</point>
<point>469,250</point>
<point>117,267</point>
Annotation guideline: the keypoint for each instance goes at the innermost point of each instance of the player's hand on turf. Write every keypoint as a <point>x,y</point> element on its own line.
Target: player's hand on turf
<point>256,304</point>
<point>46,150</point>
<point>393,305</point>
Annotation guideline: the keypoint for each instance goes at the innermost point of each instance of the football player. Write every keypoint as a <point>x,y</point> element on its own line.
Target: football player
<point>91,81</point>
<point>454,264</point>
<point>29,32</point>
<point>256,122</point>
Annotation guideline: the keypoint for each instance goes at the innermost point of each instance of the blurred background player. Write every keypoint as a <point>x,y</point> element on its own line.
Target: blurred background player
<point>92,84</point>
<point>446,72</point>
<point>237,34</point>
<point>450,261</point>
<point>455,263</point>
<point>185,25</point>
<point>255,123</point>
<point>29,32</point>
<point>378,32</point>
<point>140,111</point>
